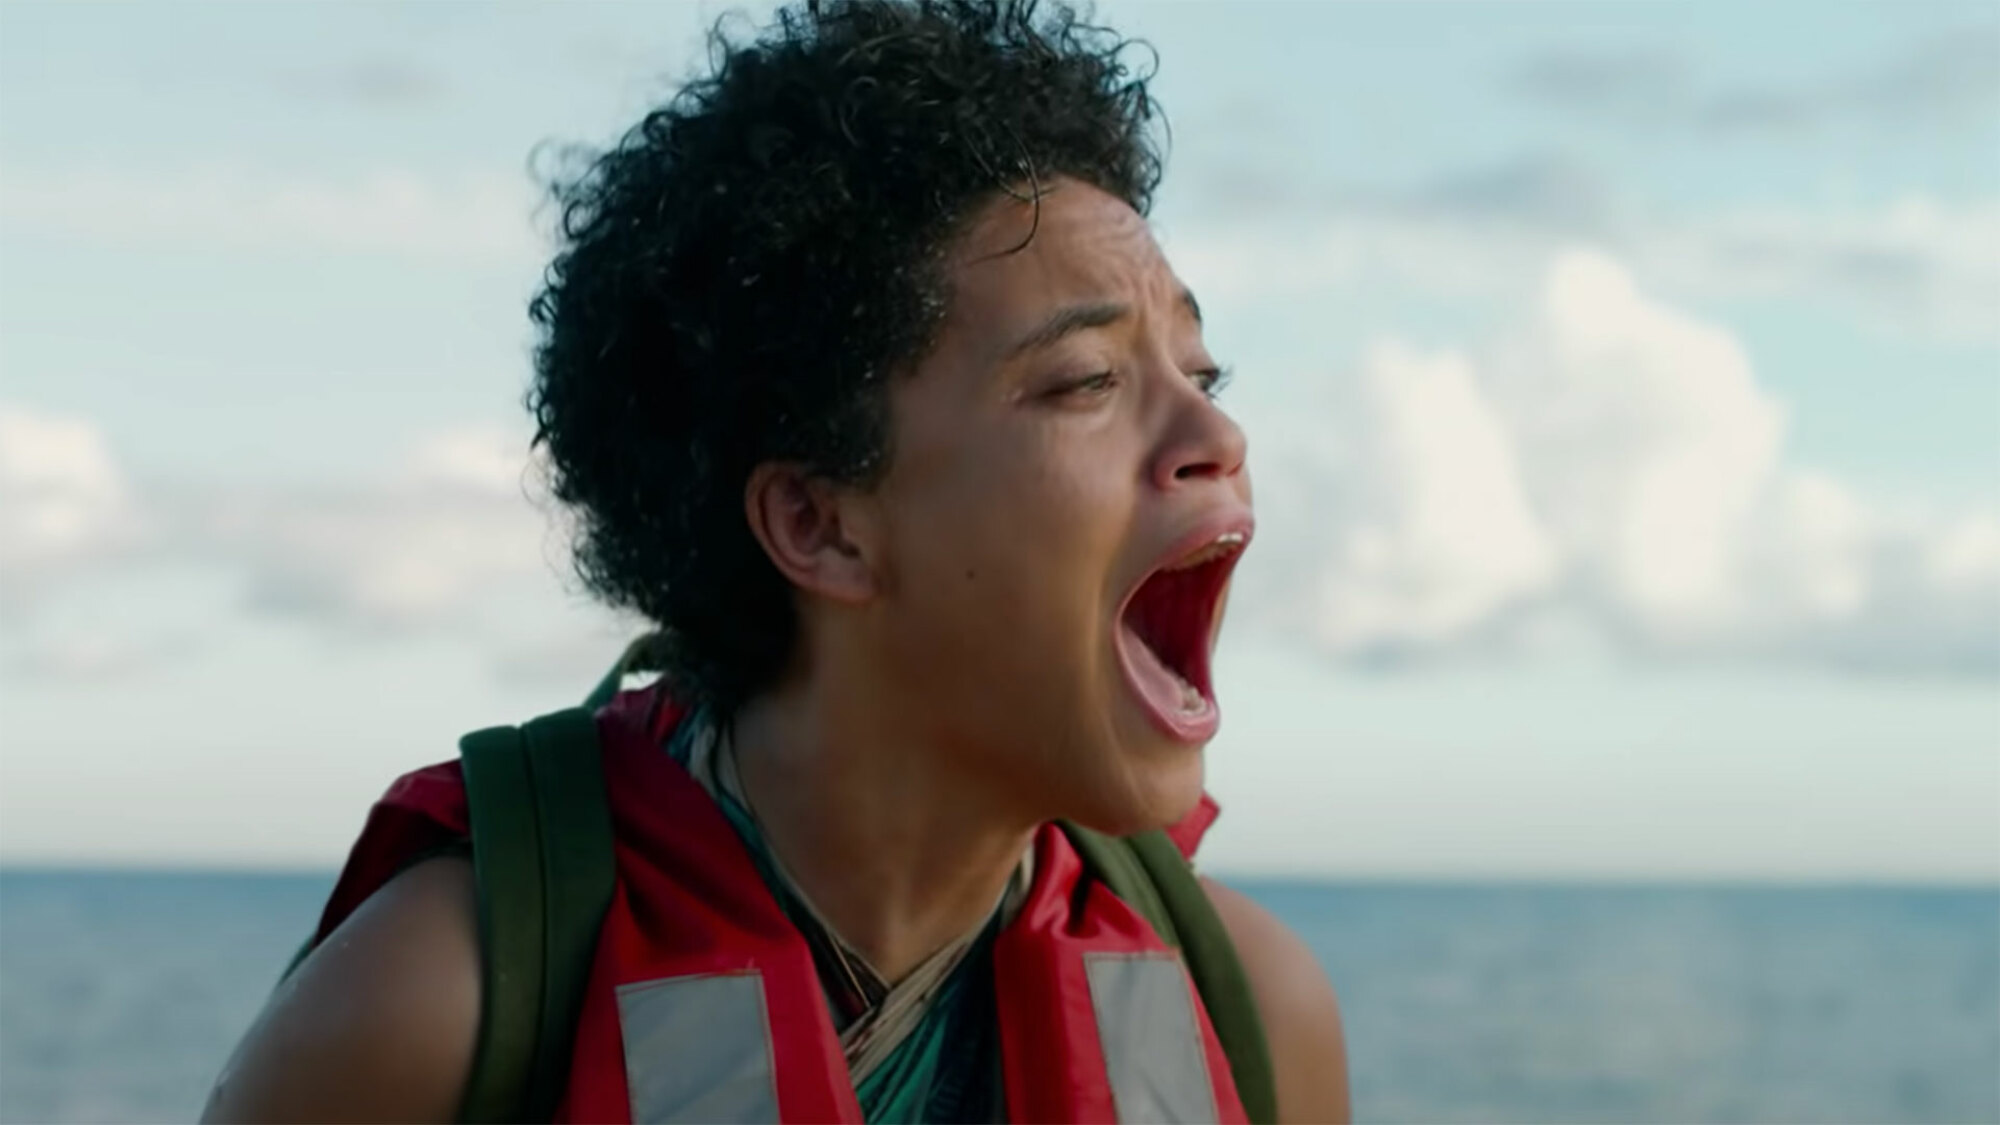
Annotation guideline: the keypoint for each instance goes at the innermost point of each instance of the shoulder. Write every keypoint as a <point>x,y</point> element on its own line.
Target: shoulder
<point>379,1023</point>
<point>1296,1002</point>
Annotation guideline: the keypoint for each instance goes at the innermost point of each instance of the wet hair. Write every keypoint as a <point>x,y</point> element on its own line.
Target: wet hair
<point>743,275</point>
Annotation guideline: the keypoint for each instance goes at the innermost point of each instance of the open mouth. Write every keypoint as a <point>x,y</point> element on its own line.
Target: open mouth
<point>1165,633</point>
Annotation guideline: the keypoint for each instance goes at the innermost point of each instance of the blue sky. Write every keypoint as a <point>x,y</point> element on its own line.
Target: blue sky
<point>1623,383</point>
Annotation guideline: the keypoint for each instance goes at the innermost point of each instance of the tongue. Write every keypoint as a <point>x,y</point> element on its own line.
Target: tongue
<point>1161,686</point>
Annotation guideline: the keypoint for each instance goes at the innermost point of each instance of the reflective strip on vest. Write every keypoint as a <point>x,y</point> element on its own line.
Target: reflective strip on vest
<point>698,1049</point>
<point>1152,1041</point>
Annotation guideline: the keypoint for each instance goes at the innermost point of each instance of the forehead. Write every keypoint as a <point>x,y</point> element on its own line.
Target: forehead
<point>1087,245</point>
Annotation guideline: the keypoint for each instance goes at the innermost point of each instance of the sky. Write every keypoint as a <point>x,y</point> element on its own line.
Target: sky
<point>1622,384</point>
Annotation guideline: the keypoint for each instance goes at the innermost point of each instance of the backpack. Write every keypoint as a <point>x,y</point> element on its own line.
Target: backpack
<point>543,864</point>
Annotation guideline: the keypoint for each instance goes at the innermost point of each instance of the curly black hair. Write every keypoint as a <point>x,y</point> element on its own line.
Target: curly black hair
<point>742,275</point>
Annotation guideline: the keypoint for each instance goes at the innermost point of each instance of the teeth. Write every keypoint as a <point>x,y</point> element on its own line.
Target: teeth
<point>1192,701</point>
<point>1226,542</point>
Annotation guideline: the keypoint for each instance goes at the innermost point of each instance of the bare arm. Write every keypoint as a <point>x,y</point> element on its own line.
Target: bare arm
<point>379,1023</point>
<point>1301,1016</point>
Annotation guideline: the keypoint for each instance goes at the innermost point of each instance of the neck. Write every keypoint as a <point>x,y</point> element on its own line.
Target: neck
<point>899,851</point>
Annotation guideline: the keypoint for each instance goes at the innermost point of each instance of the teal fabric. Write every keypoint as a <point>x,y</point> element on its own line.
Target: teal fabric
<point>948,1069</point>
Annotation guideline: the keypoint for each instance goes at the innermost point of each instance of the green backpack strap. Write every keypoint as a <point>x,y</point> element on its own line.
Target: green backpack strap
<point>641,654</point>
<point>1149,872</point>
<point>542,859</point>
<point>543,862</point>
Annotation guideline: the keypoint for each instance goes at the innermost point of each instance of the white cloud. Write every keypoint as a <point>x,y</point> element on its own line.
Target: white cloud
<point>1615,468</point>
<point>426,547</point>
<point>1944,81</point>
<point>456,541</point>
<point>391,212</point>
<point>1917,264</point>
<point>483,459</point>
<point>1644,437</point>
<point>1440,534</point>
<point>64,502</point>
<point>94,657</point>
<point>452,539</point>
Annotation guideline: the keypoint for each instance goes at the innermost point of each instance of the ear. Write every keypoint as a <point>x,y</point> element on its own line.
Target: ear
<point>799,520</point>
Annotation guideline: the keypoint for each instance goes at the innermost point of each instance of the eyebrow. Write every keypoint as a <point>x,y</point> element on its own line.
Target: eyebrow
<point>1076,318</point>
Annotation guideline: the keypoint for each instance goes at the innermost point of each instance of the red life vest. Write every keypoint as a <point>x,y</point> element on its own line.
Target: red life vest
<point>704,1005</point>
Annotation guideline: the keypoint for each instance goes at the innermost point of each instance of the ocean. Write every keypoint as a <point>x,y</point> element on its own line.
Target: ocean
<point>121,993</point>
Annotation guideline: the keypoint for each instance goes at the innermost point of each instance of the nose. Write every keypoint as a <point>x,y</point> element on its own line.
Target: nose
<point>1201,443</point>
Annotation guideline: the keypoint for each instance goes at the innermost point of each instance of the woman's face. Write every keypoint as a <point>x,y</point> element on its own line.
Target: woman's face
<point>1062,510</point>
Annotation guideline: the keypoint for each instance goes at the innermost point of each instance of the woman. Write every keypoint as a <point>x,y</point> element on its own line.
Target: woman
<point>868,385</point>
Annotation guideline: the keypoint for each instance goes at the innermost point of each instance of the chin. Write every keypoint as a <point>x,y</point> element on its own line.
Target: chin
<point>1158,784</point>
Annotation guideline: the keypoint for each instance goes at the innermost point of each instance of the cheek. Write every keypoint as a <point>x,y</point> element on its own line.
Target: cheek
<point>1018,539</point>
